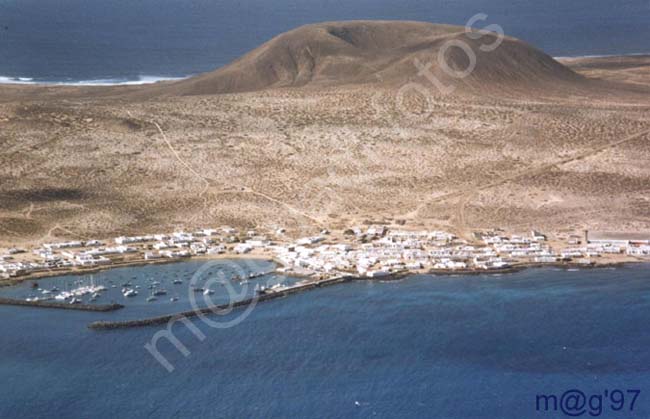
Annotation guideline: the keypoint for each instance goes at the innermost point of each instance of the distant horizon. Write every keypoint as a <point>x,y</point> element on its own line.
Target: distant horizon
<point>79,42</point>
<point>150,79</point>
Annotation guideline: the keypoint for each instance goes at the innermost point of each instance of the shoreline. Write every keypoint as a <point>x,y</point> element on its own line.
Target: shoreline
<point>297,289</point>
<point>630,54</point>
<point>145,80</point>
<point>137,263</point>
<point>534,265</point>
<point>142,81</point>
<point>34,276</point>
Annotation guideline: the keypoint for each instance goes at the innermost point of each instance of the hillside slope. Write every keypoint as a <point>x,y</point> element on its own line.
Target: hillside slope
<point>353,52</point>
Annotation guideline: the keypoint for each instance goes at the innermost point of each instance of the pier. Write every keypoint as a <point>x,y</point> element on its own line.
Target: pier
<point>62,306</point>
<point>160,320</point>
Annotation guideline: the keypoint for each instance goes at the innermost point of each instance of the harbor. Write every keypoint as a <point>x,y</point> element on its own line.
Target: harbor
<point>370,251</point>
<point>280,290</point>
<point>357,327</point>
<point>261,296</point>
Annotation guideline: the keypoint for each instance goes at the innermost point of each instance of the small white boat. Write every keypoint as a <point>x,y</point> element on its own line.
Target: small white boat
<point>208,292</point>
<point>177,281</point>
<point>130,293</point>
<point>151,298</point>
<point>173,299</point>
<point>272,289</point>
<point>75,301</point>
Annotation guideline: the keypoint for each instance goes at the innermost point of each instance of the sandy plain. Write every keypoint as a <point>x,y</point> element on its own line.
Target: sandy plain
<point>101,162</point>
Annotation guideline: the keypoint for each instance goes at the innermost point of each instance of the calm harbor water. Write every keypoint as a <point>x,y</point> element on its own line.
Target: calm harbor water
<point>222,277</point>
<point>445,347</point>
<point>120,41</point>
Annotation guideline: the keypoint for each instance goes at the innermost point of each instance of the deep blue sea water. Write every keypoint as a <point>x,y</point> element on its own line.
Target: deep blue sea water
<point>440,347</point>
<point>117,41</point>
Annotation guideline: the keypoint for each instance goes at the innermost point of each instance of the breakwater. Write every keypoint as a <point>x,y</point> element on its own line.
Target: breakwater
<point>223,308</point>
<point>393,276</point>
<point>62,306</point>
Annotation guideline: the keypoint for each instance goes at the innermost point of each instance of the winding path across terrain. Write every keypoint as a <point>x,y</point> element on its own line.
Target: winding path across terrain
<point>465,195</point>
<point>242,189</point>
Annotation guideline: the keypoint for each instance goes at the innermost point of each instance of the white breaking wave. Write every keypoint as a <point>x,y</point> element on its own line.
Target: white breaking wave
<point>97,82</point>
<point>15,80</point>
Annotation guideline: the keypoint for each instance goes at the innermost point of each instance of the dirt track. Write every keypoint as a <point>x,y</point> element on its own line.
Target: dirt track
<point>79,165</point>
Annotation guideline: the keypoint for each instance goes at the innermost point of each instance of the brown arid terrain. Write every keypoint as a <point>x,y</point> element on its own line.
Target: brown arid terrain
<point>630,69</point>
<point>316,129</point>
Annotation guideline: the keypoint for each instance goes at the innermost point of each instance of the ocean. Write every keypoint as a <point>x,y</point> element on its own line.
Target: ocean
<point>425,346</point>
<point>120,41</point>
